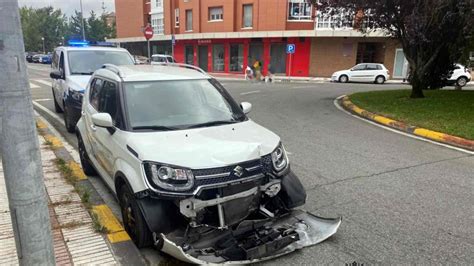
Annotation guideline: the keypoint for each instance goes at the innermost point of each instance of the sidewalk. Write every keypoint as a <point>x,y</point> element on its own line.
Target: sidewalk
<point>75,238</point>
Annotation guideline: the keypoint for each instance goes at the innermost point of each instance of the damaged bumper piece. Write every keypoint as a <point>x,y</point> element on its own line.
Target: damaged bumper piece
<point>253,241</point>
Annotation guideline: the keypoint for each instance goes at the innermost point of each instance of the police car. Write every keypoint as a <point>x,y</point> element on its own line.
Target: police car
<point>72,67</point>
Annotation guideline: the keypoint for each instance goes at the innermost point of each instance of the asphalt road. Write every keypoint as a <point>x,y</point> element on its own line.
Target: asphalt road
<point>402,200</point>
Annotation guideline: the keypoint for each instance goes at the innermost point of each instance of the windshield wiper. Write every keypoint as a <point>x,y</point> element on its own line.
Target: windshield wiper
<point>160,128</point>
<point>214,123</point>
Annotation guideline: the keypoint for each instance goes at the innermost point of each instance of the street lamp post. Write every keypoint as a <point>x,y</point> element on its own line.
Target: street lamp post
<point>82,22</point>
<point>62,38</point>
<point>44,50</point>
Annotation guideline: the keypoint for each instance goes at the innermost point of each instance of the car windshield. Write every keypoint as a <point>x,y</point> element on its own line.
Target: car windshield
<point>169,105</point>
<point>87,61</point>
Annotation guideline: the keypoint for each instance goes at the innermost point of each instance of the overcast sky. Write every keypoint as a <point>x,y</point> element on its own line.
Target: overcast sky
<point>68,6</point>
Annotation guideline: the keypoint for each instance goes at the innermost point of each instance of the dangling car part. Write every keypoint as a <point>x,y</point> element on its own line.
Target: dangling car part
<point>193,174</point>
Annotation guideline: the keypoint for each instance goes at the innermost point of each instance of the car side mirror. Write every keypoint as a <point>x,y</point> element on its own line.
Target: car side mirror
<point>56,74</point>
<point>102,120</point>
<point>246,107</point>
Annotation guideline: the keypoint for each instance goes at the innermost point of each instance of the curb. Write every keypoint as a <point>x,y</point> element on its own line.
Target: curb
<point>120,243</point>
<point>417,131</point>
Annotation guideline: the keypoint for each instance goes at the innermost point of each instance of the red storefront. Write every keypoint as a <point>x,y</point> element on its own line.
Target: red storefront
<point>234,55</point>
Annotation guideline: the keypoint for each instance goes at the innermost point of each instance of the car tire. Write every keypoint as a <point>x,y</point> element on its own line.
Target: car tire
<point>461,82</point>
<point>343,79</point>
<point>70,127</point>
<point>380,80</point>
<point>57,108</point>
<point>86,164</point>
<point>133,219</point>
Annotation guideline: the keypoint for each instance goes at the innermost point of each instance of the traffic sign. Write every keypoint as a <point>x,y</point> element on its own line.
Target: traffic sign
<point>290,48</point>
<point>148,32</point>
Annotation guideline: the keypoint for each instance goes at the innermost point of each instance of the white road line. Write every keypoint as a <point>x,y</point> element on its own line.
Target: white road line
<point>55,116</point>
<point>44,82</point>
<point>250,92</point>
<point>43,100</point>
<point>399,132</point>
<point>39,69</point>
<point>34,86</point>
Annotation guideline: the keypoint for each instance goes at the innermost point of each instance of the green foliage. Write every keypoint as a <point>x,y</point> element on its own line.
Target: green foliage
<point>53,25</point>
<point>447,111</point>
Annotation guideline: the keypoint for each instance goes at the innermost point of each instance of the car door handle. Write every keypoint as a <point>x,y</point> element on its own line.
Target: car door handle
<point>94,128</point>
<point>83,113</point>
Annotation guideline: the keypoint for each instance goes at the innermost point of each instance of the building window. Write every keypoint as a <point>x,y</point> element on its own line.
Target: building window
<point>247,17</point>
<point>157,23</point>
<point>236,62</point>
<point>158,3</point>
<point>299,10</point>
<point>218,57</point>
<point>176,17</point>
<point>216,13</point>
<point>335,19</point>
<point>189,20</point>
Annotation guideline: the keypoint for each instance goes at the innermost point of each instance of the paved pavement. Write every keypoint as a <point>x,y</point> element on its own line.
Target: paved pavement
<point>402,200</point>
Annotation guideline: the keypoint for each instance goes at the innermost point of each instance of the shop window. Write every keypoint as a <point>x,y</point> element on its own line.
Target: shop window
<point>176,17</point>
<point>216,14</point>
<point>277,58</point>
<point>299,10</point>
<point>189,20</point>
<point>335,19</point>
<point>247,17</point>
<point>189,51</point>
<point>236,58</point>
<point>218,57</point>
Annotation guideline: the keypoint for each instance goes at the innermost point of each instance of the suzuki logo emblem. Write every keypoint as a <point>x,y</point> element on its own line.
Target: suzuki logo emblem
<point>238,171</point>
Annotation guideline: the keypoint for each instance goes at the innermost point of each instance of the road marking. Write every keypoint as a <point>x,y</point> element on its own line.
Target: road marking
<point>54,141</point>
<point>397,131</point>
<point>250,92</point>
<point>34,86</point>
<point>116,233</point>
<point>39,68</point>
<point>44,82</point>
<point>77,171</point>
<point>49,112</point>
<point>42,100</point>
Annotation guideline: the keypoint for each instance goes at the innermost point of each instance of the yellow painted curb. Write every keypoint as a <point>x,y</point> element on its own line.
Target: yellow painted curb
<point>55,142</point>
<point>116,233</point>
<point>40,124</point>
<point>77,170</point>
<point>430,134</point>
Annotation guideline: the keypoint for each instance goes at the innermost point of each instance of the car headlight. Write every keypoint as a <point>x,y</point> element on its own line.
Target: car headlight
<point>169,177</point>
<point>279,159</point>
<point>76,95</point>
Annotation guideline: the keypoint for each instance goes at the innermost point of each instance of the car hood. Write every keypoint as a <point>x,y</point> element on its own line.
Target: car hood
<point>205,147</point>
<point>78,82</point>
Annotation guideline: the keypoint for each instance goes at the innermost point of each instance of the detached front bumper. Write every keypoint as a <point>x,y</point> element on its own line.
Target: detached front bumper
<point>298,229</point>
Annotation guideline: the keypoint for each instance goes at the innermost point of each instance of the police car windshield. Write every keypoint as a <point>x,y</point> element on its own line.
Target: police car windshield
<point>87,61</point>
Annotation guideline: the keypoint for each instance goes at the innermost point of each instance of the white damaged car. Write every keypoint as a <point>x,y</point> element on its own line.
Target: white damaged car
<point>194,176</point>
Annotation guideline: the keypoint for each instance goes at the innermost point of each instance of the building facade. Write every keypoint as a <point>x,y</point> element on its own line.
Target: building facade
<point>226,36</point>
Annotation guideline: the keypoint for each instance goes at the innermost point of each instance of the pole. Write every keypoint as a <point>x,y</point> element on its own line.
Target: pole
<point>172,45</point>
<point>44,49</point>
<point>149,55</point>
<point>289,74</point>
<point>19,147</point>
<point>82,22</point>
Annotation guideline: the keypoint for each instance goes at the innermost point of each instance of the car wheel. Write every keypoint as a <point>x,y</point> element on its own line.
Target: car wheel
<point>85,161</point>
<point>380,80</point>
<point>70,127</point>
<point>133,219</point>
<point>343,79</point>
<point>57,108</point>
<point>461,82</point>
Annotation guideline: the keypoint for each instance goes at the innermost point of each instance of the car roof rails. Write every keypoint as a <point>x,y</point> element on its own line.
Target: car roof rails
<point>112,68</point>
<point>182,65</point>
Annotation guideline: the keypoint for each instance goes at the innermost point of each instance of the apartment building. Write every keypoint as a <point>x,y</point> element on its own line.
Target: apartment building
<point>225,36</point>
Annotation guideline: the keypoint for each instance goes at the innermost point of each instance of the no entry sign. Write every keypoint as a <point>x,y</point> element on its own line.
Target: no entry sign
<point>148,32</point>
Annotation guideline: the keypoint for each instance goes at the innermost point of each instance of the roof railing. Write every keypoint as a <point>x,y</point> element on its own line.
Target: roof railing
<point>181,65</point>
<point>112,68</point>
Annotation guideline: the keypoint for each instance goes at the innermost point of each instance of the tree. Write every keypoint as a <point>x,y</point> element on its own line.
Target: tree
<point>74,27</point>
<point>433,33</point>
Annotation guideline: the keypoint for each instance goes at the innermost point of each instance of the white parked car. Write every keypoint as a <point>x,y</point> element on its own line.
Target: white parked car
<point>365,72</point>
<point>71,70</point>
<point>162,58</point>
<point>460,77</point>
<point>193,174</point>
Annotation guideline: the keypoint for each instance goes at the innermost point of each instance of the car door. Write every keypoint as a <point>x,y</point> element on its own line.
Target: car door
<point>89,108</point>
<point>371,72</point>
<point>58,84</point>
<point>104,137</point>
<point>357,73</point>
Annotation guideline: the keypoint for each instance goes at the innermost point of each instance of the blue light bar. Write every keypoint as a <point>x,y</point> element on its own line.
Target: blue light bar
<point>78,43</point>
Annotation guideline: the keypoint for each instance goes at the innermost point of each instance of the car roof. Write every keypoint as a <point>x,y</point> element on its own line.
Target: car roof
<point>134,73</point>
<point>90,48</point>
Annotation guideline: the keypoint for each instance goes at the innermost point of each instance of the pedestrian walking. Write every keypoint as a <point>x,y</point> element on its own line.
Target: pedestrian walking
<point>257,65</point>
<point>248,73</point>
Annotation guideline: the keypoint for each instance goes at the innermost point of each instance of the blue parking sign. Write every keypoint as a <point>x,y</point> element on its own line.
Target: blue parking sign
<point>290,48</point>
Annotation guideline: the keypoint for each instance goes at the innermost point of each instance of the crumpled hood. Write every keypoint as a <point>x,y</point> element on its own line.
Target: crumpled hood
<point>78,82</point>
<point>205,147</point>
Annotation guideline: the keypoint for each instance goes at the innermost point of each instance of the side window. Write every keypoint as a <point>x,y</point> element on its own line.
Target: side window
<point>359,67</point>
<point>96,88</point>
<point>379,67</point>
<point>55,60</point>
<point>108,101</point>
<point>372,67</point>
<point>61,63</point>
